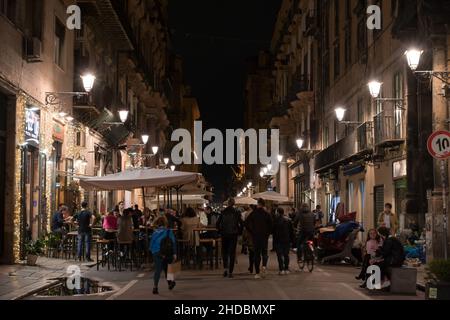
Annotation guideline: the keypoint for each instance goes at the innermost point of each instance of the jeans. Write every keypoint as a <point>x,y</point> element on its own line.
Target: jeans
<point>260,249</point>
<point>160,265</point>
<point>251,259</point>
<point>302,238</point>
<point>86,238</point>
<point>283,256</point>
<point>229,244</point>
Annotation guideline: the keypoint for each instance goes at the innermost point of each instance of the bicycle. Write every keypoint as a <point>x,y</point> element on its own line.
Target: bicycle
<point>308,256</point>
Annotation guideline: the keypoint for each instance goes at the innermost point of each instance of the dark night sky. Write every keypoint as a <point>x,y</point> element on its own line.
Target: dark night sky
<point>214,37</point>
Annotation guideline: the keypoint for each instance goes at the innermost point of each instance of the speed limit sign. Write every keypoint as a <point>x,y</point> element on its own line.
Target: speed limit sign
<point>439,145</point>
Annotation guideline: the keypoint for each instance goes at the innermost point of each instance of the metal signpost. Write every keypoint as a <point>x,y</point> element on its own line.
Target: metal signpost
<point>439,147</point>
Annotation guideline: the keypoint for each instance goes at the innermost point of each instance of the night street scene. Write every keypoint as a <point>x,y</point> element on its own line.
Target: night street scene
<point>221,157</point>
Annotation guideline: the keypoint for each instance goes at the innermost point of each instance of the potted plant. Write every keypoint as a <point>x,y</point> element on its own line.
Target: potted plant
<point>33,250</point>
<point>438,284</point>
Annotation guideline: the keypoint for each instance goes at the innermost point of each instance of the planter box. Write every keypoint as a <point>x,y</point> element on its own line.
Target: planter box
<point>31,259</point>
<point>437,291</point>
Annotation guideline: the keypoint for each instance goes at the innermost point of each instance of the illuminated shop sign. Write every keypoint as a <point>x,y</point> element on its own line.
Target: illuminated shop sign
<point>32,125</point>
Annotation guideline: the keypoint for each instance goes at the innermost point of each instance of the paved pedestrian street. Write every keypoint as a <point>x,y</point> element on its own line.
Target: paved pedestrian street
<point>326,282</point>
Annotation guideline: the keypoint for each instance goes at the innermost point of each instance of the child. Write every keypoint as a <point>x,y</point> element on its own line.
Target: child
<point>372,244</point>
<point>160,257</point>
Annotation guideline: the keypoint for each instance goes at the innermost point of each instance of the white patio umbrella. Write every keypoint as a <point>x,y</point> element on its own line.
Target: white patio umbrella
<point>138,178</point>
<point>187,199</point>
<point>271,196</point>
<point>245,201</point>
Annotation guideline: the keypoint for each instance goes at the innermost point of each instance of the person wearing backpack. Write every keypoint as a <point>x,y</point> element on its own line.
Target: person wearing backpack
<point>163,247</point>
<point>229,225</point>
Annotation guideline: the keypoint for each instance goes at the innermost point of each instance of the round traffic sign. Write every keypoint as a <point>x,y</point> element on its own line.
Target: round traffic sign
<point>439,144</point>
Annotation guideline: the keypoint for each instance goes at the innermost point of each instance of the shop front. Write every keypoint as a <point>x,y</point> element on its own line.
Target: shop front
<point>33,180</point>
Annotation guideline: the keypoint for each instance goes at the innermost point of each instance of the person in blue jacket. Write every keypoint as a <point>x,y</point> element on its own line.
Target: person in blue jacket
<point>163,252</point>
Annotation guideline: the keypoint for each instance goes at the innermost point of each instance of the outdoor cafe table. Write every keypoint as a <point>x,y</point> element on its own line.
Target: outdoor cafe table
<point>215,242</point>
<point>73,236</point>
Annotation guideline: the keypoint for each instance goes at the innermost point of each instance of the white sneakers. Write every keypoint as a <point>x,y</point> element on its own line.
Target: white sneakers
<point>386,284</point>
<point>257,276</point>
<point>284,272</point>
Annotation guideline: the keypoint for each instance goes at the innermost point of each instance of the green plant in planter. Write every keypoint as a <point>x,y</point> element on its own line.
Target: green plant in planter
<point>439,271</point>
<point>35,247</point>
<point>52,240</point>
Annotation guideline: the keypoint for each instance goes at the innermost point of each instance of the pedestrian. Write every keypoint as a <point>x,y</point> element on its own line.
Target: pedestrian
<point>304,221</point>
<point>282,239</point>
<point>248,242</point>
<point>373,243</point>
<point>259,224</point>
<point>136,215</point>
<point>163,247</point>
<point>58,220</point>
<point>229,225</point>
<point>318,216</point>
<point>172,219</point>
<point>85,220</point>
<point>388,219</point>
<point>391,254</point>
<point>125,231</point>
<point>110,228</point>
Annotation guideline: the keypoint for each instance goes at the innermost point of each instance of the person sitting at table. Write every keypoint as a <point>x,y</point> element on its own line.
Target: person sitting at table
<point>146,218</point>
<point>125,229</point>
<point>110,227</point>
<point>189,222</point>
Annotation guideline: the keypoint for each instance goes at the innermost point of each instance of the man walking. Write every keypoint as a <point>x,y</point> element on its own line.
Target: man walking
<point>388,219</point>
<point>230,225</point>
<point>259,224</point>
<point>85,220</point>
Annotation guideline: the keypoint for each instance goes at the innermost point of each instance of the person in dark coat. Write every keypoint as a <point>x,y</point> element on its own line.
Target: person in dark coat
<point>259,224</point>
<point>305,222</point>
<point>390,255</point>
<point>282,239</point>
<point>230,226</point>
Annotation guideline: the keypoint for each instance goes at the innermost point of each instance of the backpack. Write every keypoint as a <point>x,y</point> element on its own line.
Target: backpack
<point>166,247</point>
<point>229,224</point>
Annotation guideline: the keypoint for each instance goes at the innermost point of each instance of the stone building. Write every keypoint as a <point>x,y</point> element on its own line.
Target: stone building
<point>53,130</point>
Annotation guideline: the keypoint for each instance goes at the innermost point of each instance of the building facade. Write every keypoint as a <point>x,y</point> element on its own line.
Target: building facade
<point>52,130</point>
<point>347,142</point>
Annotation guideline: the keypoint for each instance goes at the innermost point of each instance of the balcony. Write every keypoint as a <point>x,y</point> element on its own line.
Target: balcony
<point>364,135</point>
<point>389,128</point>
<point>339,153</point>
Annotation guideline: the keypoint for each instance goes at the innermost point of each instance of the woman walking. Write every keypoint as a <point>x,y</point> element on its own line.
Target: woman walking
<point>163,248</point>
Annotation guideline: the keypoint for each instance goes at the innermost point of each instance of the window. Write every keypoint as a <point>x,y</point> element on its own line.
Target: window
<point>337,58</point>
<point>9,9</point>
<point>326,136</point>
<point>348,44</point>
<point>393,8</point>
<point>350,190</point>
<point>80,139</point>
<point>336,18</point>
<point>59,43</point>
<point>336,131</point>
<point>361,115</point>
<point>398,94</point>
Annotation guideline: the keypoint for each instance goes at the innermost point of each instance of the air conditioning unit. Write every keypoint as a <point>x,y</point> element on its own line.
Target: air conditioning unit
<point>33,49</point>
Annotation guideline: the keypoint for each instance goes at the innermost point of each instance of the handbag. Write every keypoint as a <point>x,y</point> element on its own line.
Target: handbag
<point>173,269</point>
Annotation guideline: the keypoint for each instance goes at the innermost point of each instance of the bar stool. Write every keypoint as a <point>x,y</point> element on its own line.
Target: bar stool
<point>106,255</point>
<point>127,256</point>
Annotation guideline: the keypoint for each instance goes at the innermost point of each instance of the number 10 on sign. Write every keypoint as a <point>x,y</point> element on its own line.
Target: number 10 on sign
<point>439,145</point>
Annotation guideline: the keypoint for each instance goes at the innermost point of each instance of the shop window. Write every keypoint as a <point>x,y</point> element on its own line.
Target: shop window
<point>80,139</point>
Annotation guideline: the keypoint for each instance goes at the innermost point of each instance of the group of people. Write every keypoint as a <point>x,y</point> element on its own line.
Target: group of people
<point>256,224</point>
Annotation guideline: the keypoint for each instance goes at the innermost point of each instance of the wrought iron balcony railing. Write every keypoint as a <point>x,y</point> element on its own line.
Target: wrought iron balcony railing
<point>389,127</point>
<point>364,135</point>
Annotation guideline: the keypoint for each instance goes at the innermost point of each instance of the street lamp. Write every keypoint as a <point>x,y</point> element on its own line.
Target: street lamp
<point>375,88</point>
<point>269,167</point>
<point>300,143</point>
<point>88,81</point>
<point>413,56</point>
<point>166,161</point>
<point>155,149</point>
<point>145,138</point>
<point>249,185</point>
<point>123,115</point>
<point>261,174</point>
<point>172,168</point>
<point>69,118</point>
<point>280,158</point>
<point>340,113</point>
